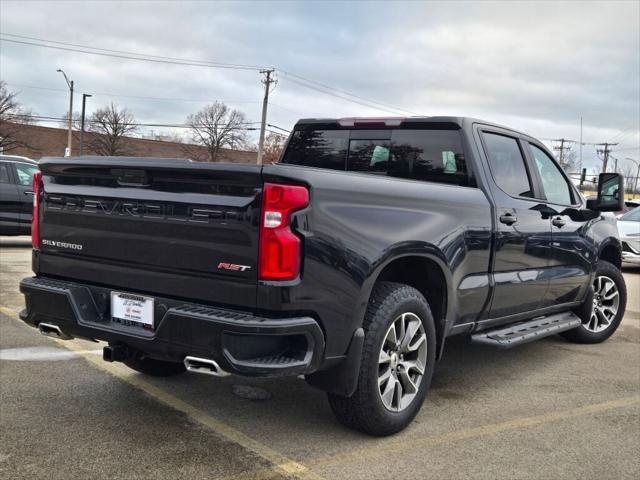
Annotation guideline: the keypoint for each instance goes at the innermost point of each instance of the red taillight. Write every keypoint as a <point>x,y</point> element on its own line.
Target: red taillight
<point>279,256</point>
<point>38,192</point>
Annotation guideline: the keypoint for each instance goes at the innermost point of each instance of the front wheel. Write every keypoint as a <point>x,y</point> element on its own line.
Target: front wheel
<point>604,307</point>
<point>397,364</point>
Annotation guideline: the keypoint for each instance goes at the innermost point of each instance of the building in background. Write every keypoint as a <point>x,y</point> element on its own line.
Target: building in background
<point>36,142</point>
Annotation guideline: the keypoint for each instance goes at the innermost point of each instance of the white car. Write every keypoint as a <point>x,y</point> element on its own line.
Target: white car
<point>629,229</point>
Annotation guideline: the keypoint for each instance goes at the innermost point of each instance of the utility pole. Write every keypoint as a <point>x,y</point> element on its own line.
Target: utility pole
<point>605,153</point>
<point>84,103</point>
<point>70,134</point>
<point>561,149</point>
<point>267,85</point>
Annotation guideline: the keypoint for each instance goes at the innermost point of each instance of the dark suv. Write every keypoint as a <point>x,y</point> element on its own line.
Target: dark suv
<point>16,194</point>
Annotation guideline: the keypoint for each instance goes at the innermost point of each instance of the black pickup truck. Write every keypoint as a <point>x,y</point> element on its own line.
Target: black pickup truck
<point>350,262</point>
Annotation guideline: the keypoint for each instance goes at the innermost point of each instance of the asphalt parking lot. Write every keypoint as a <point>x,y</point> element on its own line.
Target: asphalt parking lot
<point>549,409</point>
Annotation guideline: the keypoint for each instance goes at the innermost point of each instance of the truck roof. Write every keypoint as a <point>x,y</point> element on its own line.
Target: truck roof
<point>456,122</point>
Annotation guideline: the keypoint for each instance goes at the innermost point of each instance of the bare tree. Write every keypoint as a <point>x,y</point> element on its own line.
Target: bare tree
<point>273,145</point>
<point>75,121</point>
<point>109,127</point>
<point>629,172</point>
<point>11,115</point>
<point>217,126</point>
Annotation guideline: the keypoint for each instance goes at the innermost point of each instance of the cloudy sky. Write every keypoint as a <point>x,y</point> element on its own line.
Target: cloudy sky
<point>536,66</point>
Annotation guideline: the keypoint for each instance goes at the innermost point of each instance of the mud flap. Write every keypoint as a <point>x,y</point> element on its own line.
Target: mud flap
<point>343,378</point>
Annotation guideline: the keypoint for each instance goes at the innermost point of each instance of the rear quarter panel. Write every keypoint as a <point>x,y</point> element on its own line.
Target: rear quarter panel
<point>357,223</point>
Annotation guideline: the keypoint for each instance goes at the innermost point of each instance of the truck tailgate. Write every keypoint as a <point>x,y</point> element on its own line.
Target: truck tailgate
<point>159,226</point>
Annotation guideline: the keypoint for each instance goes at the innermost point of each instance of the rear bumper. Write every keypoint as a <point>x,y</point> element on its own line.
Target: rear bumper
<point>239,342</point>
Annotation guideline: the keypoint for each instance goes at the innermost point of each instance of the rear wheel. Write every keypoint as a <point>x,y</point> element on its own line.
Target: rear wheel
<point>153,367</point>
<point>397,362</point>
<point>604,307</point>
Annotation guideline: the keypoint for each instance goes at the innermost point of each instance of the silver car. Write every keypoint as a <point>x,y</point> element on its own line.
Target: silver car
<point>629,229</point>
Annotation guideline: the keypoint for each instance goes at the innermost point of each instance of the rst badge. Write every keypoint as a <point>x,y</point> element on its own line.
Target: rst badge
<point>233,267</point>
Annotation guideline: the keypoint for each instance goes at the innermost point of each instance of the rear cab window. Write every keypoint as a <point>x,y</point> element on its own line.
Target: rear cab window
<point>434,155</point>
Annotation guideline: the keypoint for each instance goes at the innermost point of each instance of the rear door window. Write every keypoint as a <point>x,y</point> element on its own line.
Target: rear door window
<point>507,165</point>
<point>417,154</point>
<point>431,155</point>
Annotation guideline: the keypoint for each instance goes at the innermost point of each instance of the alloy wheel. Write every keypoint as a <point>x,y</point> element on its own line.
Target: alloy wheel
<point>606,301</point>
<point>402,362</point>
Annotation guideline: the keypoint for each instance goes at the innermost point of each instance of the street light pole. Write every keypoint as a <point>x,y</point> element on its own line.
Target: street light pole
<point>84,103</point>
<point>69,136</point>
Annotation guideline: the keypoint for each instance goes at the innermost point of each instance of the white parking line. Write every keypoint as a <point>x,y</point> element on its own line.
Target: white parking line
<point>281,464</point>
<point>42,354</point>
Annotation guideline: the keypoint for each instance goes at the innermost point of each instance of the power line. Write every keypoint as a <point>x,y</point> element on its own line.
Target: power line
<point>567,141</point>
<point>142,97</point>
<point>276,133</point>
<point>129,55</point>
<point>19,85</point>
<point>243,125</point>
<point>51,117</point>
<point>160,57</point>
<point>325,86</point>
<point>395,112</point>
<point>279,128</point>
<point>621,132</point>
<point>300,80</point>
<point>623,138</point>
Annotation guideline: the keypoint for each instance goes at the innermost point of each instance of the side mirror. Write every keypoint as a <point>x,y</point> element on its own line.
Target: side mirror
<point>610,194</point>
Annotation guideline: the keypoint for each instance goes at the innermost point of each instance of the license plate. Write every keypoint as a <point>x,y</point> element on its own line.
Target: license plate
<point>132,308</point>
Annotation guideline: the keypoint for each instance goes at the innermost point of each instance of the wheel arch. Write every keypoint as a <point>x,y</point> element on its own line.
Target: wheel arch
<point>611,251</point>
<point>426,272</point>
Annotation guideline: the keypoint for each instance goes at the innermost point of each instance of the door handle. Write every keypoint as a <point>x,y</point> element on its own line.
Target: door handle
<point>558,222</point>
<point>508,218</point>
<point>28,192</point>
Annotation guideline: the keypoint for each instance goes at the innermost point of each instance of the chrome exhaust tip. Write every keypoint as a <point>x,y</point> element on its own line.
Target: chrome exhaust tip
<point>54,331</point>
<point>204,365</point>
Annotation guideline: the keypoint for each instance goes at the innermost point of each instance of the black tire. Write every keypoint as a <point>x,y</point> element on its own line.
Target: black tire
<point>155,368</point>
<point>365,410</point>
<point>582,334</point>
